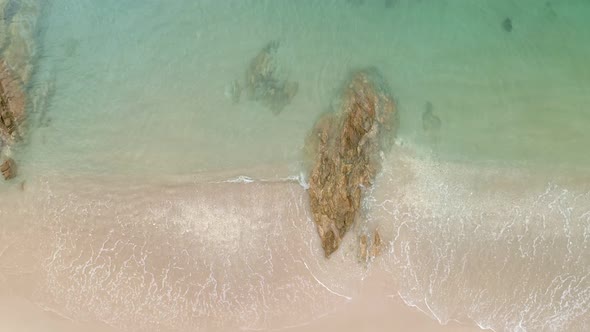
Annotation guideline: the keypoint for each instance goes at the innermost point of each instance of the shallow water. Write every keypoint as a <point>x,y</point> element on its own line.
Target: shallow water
<point>134,144</point>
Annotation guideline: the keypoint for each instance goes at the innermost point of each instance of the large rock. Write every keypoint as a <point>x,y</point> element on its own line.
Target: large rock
<point>344,150</point>
<point>12,105</point>
<point>263,83</point>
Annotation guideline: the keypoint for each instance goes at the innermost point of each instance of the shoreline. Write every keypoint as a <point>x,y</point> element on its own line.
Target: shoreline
<point>63,260</point>
<point>134,234</point>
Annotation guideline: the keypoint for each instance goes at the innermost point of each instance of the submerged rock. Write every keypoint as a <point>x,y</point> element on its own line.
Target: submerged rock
<point>262,83</point>
<point>390,3</point>
<point>18,33</point>
<point>344,151</point>
<point>430,122</point>
<point>507,24</point>
<point>8,169</point>
<point>234,91</point>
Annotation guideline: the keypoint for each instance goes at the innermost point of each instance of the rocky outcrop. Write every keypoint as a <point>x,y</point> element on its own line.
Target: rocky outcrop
<point>12,113</point>
<point>263,83</point>
<point>12,105</point>
<point>344,151</point>
<point>17,49</point>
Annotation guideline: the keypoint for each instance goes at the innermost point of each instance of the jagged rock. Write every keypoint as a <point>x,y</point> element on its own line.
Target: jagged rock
<point>8,169</point>
<point>344,151</point>
<point>376,246</point>
<point>262,83</point>
<point>12,105</point>
<point>369,248</point>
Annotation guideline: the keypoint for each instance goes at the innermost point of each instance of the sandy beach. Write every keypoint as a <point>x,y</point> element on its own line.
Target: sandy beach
<point>221,256</point>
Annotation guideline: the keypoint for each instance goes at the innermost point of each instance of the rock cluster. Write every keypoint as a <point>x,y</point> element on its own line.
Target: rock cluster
<point>369,250</point>
<point>12,112</point>
<point>18,30</point>
<point>344,150</point>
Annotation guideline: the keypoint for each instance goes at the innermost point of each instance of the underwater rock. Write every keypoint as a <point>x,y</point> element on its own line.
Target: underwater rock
<point>234,91</point>
<point>262,83</point>
<point>356,2</point>
<point>10,9</point>
<point>343,149</point>
<point>18,34</point>
<point>507,24</point>
<point>8,169</point>
<point>430,122</point>
<point>12,105</point>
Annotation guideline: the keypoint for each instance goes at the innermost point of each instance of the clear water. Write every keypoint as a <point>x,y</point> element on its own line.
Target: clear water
<point>146,92</point>
<point>139,90</point>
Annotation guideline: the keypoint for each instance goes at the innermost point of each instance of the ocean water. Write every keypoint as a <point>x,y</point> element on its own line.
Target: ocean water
<point>153,201</point>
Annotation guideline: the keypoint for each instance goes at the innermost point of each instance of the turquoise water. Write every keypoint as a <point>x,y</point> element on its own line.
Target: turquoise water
<point>146,92</point>
<point>483,203</point>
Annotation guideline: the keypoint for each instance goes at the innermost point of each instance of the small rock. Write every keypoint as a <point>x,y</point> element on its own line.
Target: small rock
<point>363,248</point>
<point>8,169</point>
<point>376,247</point>
<point>507,24</point>
<point>7,122</point>
<point>390,3</point>
<point>430,122</point>
<point>234,91</point>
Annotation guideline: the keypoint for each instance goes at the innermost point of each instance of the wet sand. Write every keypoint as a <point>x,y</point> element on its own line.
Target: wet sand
<point>92,254</point>
<point>373,313</point>
<point>222,256</point>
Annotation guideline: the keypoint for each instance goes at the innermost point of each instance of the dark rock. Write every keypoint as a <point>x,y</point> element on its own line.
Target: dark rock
<point>8,169</point>
<point>356,2</point>
<point>344,152</point>
<point>507,24</point>
<point>10,9</point>
<point>430,122</point>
